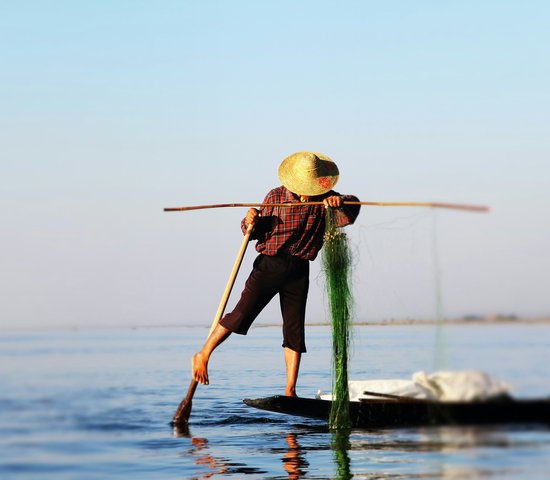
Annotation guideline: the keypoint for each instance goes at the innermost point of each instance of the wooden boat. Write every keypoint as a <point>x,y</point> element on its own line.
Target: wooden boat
<point>391,411</point>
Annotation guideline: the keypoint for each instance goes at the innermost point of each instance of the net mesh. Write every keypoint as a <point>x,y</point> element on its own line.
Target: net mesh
<point>336,262</point>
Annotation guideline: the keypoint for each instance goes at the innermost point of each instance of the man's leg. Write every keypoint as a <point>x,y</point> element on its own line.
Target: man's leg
<point>199,362</point>
<point>292,362</point>
<point>260,287</point>
<point>293,298</point>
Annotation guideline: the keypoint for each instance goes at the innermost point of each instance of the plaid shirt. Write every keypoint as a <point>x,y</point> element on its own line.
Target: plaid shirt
<point>296,231</point>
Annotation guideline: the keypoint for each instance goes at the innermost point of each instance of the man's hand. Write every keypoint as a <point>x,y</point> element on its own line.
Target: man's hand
<point>251,216</point>
<point>334,201</point>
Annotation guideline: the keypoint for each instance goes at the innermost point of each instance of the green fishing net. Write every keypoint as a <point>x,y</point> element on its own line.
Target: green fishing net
<point>336,263</point>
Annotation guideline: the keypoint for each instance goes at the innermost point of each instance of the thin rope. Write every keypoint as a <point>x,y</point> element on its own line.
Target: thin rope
<point>440,357</point>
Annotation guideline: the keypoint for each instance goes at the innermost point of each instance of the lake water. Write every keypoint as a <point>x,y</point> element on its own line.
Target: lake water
<point>97,404</point>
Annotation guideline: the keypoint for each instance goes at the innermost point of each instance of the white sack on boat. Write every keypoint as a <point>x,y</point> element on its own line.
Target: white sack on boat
<point>401,388</point>
<point>467,386</point>
<point>446,386</point>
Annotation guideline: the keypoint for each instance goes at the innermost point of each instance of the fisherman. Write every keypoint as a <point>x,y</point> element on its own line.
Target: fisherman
<point>288,239</point>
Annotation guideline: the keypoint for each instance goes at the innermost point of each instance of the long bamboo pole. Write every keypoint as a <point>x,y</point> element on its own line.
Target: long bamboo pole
<point>454,206</point>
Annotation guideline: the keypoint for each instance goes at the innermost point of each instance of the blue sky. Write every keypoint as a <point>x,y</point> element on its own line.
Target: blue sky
<point>112,111</point>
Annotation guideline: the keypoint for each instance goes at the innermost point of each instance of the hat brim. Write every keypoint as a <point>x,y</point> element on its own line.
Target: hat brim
<point>308,173</point>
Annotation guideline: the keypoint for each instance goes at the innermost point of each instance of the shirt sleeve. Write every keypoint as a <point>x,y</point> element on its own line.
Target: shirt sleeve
<point>346,214</point>
<point>263,223</point>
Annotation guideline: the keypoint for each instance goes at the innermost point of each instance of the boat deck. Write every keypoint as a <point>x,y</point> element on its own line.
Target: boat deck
<point>393,413</point>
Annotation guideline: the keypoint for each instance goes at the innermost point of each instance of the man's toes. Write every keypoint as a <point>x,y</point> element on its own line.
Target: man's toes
<point>200,373</point>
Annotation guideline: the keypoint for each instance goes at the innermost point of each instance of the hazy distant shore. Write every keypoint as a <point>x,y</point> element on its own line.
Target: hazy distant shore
<point>469,320</point>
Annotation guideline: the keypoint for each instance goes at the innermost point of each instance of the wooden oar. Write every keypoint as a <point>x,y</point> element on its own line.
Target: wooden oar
<point>181,417</point>
<point>397,398</point>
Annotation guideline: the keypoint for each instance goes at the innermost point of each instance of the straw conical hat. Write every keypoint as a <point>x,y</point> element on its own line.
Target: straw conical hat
<point>308,173</point>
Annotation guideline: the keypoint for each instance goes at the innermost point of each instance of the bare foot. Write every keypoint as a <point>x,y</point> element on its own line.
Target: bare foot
<point>199,366</point>
<point>290,392</point>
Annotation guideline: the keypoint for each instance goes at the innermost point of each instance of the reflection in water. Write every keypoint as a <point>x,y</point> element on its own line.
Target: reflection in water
<point>199,451</point>
<point>449,453</point>
<point>340,447</point>
<point>449,439</point>
<point>293,460</point>
<point>443,452</point>
<point>464,442</point>
<point>214,465</point>
<point>204,458</point>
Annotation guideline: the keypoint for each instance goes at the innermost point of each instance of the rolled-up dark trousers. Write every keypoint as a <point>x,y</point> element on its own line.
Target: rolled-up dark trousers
<point>281,274</point>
